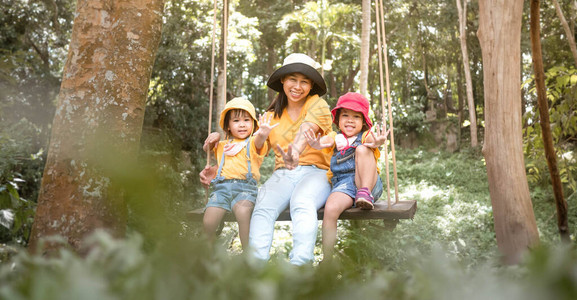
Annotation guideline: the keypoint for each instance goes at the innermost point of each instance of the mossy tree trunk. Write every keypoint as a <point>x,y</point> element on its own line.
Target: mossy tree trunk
<point>500,38</point>
<point>99,117</point>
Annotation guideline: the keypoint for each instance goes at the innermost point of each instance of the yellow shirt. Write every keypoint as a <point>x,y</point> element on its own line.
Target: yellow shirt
<point>315,110</point>
<point>376,151</point>
<point>236,167</point>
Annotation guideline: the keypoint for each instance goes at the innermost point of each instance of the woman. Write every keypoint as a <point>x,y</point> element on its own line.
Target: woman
<point>299,180</point>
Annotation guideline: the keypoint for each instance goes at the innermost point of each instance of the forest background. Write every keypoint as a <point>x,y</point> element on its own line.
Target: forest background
<point>437,165</point>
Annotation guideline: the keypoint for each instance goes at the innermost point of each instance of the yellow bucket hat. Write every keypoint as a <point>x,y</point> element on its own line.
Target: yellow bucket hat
<point>238,103</point>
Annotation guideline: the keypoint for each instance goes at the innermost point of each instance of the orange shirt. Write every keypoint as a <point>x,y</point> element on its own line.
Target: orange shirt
<point>315,110</point>
<point>236,167</point>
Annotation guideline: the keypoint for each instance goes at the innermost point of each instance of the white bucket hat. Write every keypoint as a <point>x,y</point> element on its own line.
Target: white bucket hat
<point>299,63</point>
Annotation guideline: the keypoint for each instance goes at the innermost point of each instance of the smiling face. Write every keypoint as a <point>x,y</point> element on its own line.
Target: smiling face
<point>350,122</point>
<point>296,86</point>
<point>240,123</point>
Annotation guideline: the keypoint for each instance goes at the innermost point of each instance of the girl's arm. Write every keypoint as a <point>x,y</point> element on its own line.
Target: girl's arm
<point>207,174</point>
<point>375,141</point>
<point>263,131</point>
<point>211,141</point>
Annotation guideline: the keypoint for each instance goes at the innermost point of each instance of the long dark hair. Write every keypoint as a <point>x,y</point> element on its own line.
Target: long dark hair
<point>278,105</point>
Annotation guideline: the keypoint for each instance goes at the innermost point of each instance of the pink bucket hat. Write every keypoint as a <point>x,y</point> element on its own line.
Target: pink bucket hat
<point>356,102</point>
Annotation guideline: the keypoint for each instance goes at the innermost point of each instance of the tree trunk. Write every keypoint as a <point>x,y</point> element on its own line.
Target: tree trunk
<point>462,11</point>
<point>561,204</point>
<point>500,38</point>
<point>365,46</point>
<point>332,84</point>
<point>270,63</point>
<point>568,33</point>
<point>99,116</point>
<point>330,78</point>
<point>460,105</point>
<point>349,80</point>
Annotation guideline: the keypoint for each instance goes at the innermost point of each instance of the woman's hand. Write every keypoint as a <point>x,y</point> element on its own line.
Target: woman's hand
<point>379,139</point>
<point>211,141</point>
<point>291,157</point>
<point>208,174</point>
<point>315,140</point>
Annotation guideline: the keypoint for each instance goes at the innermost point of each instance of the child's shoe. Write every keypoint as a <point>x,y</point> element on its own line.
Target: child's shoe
<point>364,199</point>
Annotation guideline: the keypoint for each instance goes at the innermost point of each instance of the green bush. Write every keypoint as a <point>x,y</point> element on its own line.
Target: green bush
<point>453,210</point>
<point>20,174</point>
<point>561,84</point>
<point>186,269</point>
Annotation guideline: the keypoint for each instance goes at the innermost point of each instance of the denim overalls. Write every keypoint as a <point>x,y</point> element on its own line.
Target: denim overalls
<point>343,167</point>
<point>343,161</point>
<point>226,192</point>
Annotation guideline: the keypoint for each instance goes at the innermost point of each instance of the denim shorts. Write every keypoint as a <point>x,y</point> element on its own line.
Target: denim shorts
<point>345,183</point>
<point>227,193</point>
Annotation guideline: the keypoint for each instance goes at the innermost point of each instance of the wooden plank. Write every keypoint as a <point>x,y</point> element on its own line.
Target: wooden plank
<point>401,210</point>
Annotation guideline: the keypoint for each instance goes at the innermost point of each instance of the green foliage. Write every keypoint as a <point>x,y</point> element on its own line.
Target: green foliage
<point>409,118</point>
<point>160,187</point>
<point>453,210</point>
<point>561,84</point>
<point>185,269</point>
<point>33,40</point>
<point>20,174</point>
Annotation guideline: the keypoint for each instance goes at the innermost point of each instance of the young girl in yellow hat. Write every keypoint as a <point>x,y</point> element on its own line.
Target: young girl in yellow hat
<point>239,157</point>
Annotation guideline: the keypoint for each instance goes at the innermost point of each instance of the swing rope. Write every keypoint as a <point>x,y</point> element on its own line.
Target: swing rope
<point>383,124</point>
<point>225,43</point>
<point>382,44</point>
<point>211,87</point>
<point>212,63</point>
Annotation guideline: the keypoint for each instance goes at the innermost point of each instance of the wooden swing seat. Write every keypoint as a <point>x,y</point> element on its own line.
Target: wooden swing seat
<point>399,210</point>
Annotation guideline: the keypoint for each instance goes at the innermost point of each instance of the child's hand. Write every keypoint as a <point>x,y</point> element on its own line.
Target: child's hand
<point>211,141</point>
<point>291,157</point>
<point>264,125</point>
<point>208,174</point>
<point>314,140</point>
<point>379,139</point>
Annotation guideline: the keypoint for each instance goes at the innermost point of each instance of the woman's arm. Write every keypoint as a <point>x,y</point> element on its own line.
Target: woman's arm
<point>291,157</point>
<point>300,141</point>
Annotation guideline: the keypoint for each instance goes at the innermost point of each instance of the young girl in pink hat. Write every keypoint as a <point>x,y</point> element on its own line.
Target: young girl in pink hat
<point>353,169</point>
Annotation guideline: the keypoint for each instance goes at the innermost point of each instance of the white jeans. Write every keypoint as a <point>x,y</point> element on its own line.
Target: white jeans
<point>305,189</point>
